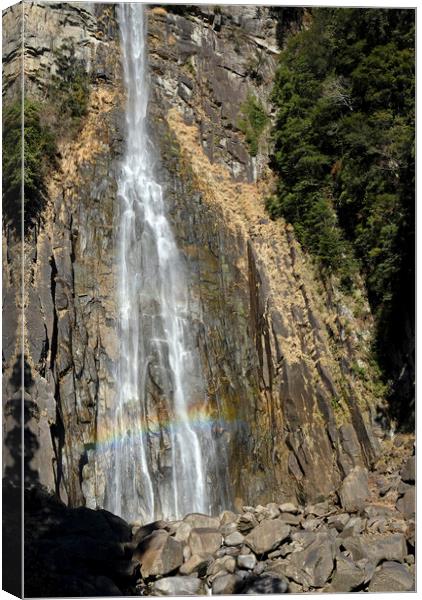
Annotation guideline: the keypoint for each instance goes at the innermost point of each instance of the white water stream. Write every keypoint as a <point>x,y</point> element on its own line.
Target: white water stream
<point>155,333</point>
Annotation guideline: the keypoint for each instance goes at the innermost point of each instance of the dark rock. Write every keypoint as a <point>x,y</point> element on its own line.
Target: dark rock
<point>159,554</point>
<point>347,576</point>
<point>407,503</point>
<point>246,522</point>
<point>377,547</point>
<point>408,471</point>
<point>267,583</point>
<point>392,577</point>
<point>312,566</point>
<point>267,536</point>
<point>338,521</point>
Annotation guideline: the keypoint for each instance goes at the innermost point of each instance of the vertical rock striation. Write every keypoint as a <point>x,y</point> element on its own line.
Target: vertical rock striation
<point>279,350</point>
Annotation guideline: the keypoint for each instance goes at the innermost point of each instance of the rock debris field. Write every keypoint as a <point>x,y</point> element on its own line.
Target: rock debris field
<point>361,539</point>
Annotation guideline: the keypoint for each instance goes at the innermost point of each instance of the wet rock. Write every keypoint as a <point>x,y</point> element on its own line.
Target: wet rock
<point>246,561</point>
<point>267,536</point>
<point>205,540</point>
<point>159,554</point>
<point>392,577</point>
<point>354,490</point>
<point>176,586</point>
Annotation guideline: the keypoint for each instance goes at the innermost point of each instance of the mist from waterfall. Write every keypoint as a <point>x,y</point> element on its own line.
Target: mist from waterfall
<point>157,466</point>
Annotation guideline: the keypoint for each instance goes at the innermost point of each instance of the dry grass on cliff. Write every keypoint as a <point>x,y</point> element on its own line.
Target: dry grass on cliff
<point>242,206</point>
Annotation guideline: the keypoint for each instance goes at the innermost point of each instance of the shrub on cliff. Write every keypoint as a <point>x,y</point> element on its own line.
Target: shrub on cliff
<point>252,123</point>
<point>39,156</point>
<point>71,84</point>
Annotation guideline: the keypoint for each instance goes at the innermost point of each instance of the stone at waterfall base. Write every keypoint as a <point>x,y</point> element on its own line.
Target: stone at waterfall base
<point>177,586</point>
<point>158,554</point>
<point>205,540</point>
<point>267,536</point>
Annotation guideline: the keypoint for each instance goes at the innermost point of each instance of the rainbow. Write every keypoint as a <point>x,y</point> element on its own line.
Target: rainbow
<point>199,419</point>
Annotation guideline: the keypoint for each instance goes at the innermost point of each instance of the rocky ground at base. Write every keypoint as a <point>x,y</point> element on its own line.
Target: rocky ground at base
<point>363,539</point>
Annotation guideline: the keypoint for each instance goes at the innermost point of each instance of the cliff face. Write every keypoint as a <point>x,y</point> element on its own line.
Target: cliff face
<point>281,354</point>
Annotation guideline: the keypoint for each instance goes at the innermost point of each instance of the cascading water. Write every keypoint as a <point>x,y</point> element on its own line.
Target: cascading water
<point>155,335</point>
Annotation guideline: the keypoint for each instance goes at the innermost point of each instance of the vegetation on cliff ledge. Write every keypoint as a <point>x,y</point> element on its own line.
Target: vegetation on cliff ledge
<point>344,152</point>
<point>39,156</point>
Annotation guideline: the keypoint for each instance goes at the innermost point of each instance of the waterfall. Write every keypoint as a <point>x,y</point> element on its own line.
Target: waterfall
<point>162,460</point>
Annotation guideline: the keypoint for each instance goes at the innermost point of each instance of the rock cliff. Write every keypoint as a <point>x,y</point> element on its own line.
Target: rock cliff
<point>283,355</point>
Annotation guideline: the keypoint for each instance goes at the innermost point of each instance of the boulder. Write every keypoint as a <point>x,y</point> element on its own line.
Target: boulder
<point>195,564</point>
<point>289,507</point>
<point>338,521</point>
<point>234,539</point>
<point>392,577</point>
<point>246,561</point>
<point>227,516</point>
<point>267,583</point>
<point>199,521</point>
<point>347,576</point>
<point>267,536</point>
<point>226,564</point>
<point>159,554</point>
<point>289,518</point>
<point>408,471</point>
<point>272,510</point>
<point>354,490</point>
<point>377,547</point>
<point>205,540</point>
<point>407,503</point>
<point>312,566</point>
<point>318,510</point>
<point>183,532</point>
<point>225,584</point>
<point>177,586</point>
<point>246,522</point>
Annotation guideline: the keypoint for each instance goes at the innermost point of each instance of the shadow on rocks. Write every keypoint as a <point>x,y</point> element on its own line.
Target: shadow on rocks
<point>266,583</point>
<point>75,551</point>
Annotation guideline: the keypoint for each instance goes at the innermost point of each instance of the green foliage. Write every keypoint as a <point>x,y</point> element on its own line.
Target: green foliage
<point>344,152</point>
<point>253,121</point>
<point>39,155</point>
<point>71,85</point>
